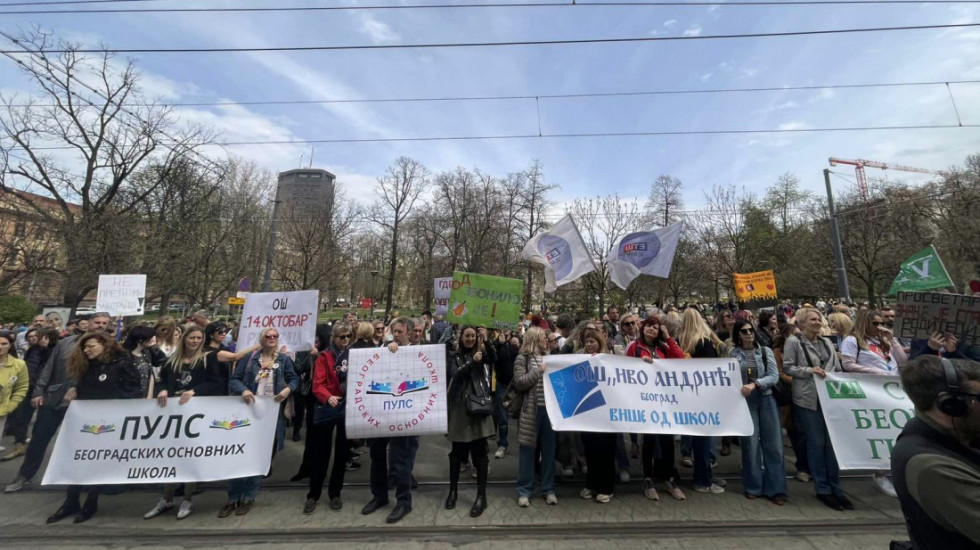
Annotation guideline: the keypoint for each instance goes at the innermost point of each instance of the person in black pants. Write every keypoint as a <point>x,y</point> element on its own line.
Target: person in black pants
<point>35,357</point>
<point>329,389</point>
<point>600,448</point>
<point>99,369</point>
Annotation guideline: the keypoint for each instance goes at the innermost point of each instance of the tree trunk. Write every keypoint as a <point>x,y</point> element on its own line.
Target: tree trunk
<point>391,269</point>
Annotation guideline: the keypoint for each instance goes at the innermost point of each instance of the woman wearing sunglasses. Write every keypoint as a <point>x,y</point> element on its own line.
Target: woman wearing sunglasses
<point>655,342</point>
<point>328,432</point>
<point>264,373</point>
<point>763,450</point>
<point>873,349</point>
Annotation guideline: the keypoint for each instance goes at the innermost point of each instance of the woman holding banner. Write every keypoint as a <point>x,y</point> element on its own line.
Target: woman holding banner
<point>100,369</point>
<point>807,357</point>
<point>873,349</point>
<point>328,432</point>
<point>534,426</point>
<point>469,426</point>
<point>189,371</point>
<point>268,373</point>
<point>698,341</point>
<point>763,469</point>
<point>655,343</point>
<point>600,447</point>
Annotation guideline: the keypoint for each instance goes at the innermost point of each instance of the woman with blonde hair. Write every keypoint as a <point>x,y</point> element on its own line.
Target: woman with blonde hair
<point>841,326</point>
<point>534,427</point>
<point>166,331</point>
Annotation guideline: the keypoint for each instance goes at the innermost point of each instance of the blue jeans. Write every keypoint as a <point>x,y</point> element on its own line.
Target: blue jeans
<point>701,447</point>
<point>502,417</point>
<point>819,451</point>
<point>525,466</point>
<point>244,489</point>
<point>763,469</point>
<point>687,442</point>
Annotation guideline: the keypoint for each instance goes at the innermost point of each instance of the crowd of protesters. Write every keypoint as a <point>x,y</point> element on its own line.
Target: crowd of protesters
<point>781,352</point>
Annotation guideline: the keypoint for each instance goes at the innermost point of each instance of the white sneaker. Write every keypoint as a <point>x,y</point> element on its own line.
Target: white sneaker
<point>624,476</point>
<point>885,485</point>
<point>649,490</point>
<point>551,499</point>
<point>802,476</point>
<point>585,493</point>
<point>501,451</point>
<point>185,509</point>
<point>160,508</point>
<point>523,502</point>
<point>712,489</point>
<point>603,499</point>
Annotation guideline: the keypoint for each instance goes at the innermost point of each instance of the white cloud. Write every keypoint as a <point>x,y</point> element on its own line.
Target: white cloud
<point>670,23</point>
<point>796,125</point>
<point>693,30</point>
<point>778,107</point>
<point>705,77</point>
<point>378,31</point>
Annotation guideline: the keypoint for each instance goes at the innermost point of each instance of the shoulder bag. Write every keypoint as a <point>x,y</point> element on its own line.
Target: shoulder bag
<point>514,400</point>
<point>478,401</point>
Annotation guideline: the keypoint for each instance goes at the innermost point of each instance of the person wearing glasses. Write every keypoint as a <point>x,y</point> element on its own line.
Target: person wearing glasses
<point>808,357</point>
<point>873,349</point>
<point>268,373</point>
<point>379,333</point>
<point>655,342</point>
<point>328,432</point>
<point>628,325</point>
<point>763,470</point>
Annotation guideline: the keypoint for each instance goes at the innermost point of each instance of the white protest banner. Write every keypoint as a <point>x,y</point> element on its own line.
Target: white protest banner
<point>136,441</point>
<point>611,393</point>
<point>121,295</point>
<point>444,286</point>
<point>396,394</point>
<point>864,414</point>
<point>293,314</point>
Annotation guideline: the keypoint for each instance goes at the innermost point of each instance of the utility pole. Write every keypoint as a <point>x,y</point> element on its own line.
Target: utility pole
<point>845,291</point>
<point>267,279</point>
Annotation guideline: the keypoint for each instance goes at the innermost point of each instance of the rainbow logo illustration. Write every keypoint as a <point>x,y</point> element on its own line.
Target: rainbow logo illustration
<point>231,424</point>
<point>408,386</point>
<point>98,429</point>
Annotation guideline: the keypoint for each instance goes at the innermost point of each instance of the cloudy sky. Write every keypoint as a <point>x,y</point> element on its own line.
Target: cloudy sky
<point>582,166</point>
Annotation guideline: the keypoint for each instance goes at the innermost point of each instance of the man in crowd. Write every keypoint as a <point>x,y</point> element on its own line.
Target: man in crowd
<point>20,342</point>
<point>393,456</point>
<point>936,460</point>
<point>52,394</point>
<point>611,322</point>
<point>201,318</point>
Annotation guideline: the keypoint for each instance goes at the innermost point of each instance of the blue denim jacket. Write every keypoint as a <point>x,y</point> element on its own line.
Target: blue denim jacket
<point>771,376</point>
<point>244,378</point>
<point>247,370</point>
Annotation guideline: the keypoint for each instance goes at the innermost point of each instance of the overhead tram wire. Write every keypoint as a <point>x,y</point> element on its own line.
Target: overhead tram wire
<point>823,32</point>
<point>472,5</point>
<point>544,96</point>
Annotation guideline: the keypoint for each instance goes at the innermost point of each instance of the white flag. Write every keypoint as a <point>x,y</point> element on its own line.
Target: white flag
<point>562,252</point>
<point>649,252</point>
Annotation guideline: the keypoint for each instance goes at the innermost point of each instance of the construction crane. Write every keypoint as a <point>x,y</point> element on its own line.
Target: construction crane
<point>862,179</point>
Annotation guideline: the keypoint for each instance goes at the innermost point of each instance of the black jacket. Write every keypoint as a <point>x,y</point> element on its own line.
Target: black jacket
<point>206,377</point>
<point>116,378</point>
<point>506,355</point>
<point>465,373</point>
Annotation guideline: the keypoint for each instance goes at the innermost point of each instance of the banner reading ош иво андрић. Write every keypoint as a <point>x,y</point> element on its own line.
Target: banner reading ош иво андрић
<point>612,393</point>
<point>494,302</point>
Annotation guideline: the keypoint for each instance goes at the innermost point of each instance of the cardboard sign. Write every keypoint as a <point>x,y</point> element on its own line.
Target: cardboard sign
<point>443,288</point>
<point>121,295</point>
<point>494,302</point>
<point>292,313</point>
<point>756,290</point>
<point>920,314</point>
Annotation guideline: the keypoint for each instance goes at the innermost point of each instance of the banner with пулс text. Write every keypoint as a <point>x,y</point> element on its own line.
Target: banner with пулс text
<point>612,393</point>
<point>293,314</point>
<point>136,441</point>
<point>864,415</point>
<point>396,394</point>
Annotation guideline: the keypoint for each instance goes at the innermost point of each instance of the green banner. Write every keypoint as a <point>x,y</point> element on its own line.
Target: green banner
<point>485,300</point>
<point>921,271</point>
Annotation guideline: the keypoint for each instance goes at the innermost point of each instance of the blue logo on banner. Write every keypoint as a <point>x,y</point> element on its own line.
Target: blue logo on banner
<point>640,248</point>
<point>558,253</point>
<point>576,389</point>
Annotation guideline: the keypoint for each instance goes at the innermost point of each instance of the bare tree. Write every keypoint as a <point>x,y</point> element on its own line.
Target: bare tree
<point>398,190</point>
<point>106,131</point>
<point>664,202</point>
<point>602,221</point>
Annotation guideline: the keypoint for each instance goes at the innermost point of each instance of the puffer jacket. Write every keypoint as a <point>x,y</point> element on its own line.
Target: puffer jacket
<point>527,374</point>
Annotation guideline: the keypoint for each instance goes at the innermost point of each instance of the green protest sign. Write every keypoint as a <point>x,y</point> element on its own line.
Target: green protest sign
<point>485,300</point>
<point>921,271</point>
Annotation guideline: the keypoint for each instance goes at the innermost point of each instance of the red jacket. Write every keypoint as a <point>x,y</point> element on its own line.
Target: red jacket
<point>670,350</point>
<point>325,380</point>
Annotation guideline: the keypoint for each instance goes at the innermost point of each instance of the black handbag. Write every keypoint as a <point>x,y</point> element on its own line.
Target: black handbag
<point>478,401</point>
